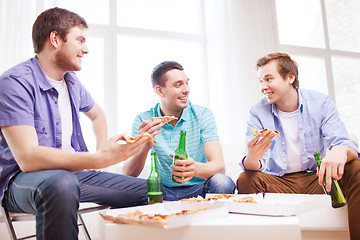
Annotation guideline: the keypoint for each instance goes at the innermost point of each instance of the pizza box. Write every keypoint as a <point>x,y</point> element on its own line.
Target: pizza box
<point>273,204</point>
<point>210,211</point>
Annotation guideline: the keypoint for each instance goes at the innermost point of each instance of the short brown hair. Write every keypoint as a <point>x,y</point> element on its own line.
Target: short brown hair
<point>54,19</point>
<point>159,71</point>
<point>285,65</point>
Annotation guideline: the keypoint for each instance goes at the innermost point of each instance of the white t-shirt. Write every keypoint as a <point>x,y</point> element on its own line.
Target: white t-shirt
<point>65,113</point>
<point>290,125</point>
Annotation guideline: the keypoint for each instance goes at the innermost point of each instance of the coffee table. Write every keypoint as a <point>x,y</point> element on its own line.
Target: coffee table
<point>233,226</point>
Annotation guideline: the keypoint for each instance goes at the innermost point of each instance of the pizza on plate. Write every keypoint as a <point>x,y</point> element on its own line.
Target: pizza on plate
<point>264,132</point>
<point>164,119</point>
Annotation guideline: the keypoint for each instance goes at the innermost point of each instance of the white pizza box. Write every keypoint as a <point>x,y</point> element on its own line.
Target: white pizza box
<point>213,211</point>
<point>317,212</point>
<point>275,204</point>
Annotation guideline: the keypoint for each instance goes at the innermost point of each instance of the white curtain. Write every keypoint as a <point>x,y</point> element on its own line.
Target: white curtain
<point>238,32</point>
<point>16,20</point>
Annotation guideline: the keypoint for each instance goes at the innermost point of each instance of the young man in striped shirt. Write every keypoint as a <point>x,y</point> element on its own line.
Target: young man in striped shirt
<point>204,169</point>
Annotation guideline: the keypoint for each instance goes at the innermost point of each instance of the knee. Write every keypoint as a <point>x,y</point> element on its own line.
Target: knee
<point>220,183</point>
<point>245,181</point>
<point>60,187</point>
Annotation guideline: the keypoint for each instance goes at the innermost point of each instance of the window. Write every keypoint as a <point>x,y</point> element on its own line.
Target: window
<point>126,40</point>
<point>323,37</point>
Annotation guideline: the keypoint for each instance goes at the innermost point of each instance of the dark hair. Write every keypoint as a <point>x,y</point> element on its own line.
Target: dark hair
<point>159,71</point>
<point>285,65</point>
<point>54,19</point>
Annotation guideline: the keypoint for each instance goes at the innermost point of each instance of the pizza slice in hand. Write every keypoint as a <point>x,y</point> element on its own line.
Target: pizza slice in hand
<point>138,137</point>
<point>164,119</point>
<point>264,132</point>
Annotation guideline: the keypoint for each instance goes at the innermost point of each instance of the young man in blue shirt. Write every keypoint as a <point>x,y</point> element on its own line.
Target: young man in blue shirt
<point>308,122</point>
<point>204,169</point>
<point>42,150</point>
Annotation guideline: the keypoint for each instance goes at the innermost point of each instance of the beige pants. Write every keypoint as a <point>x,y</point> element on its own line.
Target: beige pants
<point>307,183</point>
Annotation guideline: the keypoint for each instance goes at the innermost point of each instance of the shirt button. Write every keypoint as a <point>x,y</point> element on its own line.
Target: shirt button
<point>56,102</point>
<point>283,143</point>
<point>57,123</point>
<point>43,129</point>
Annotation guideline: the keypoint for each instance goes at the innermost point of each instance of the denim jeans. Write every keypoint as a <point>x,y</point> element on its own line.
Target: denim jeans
<point>219,183</point>
<point>53,196</point>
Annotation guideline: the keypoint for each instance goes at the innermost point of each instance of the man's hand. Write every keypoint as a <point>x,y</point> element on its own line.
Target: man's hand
<point>113,152</point>
<point>183,168</point>
<point>135,165</point>
<point>151,127</point>
<point>332,165</point>
<point>256,150</point>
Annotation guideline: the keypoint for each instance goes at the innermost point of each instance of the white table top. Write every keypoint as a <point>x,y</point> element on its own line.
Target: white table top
<point>242,225</point>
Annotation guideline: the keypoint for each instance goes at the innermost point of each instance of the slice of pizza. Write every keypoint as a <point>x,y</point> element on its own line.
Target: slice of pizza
<point>138,217</point>
<point>264,132</point>
<point>138,137</point>
<point>245,200</point>
<point>219,196</point>
<point>164,119</point>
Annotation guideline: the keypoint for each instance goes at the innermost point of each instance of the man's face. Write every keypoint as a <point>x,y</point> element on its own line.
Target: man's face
<point>69,54</point>
<point>272,85</point>
<point>176,91</point>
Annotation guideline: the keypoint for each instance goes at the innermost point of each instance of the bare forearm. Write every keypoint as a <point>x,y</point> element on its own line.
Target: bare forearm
<point>351,153</point>
<point>134,166</point>
<point>252,163</point>
<point>209,169</point>
<point>51,158</point>
<point>100,130</point>
<point>99,125</point>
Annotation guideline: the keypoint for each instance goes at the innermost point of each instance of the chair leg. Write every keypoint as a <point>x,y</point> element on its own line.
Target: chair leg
<point>8,223</point>
<point>82,224</point>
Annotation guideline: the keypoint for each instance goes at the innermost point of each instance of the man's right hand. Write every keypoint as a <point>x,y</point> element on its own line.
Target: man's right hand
<point>114,151</point>
<point>257,148</point>
<point>151,127</point>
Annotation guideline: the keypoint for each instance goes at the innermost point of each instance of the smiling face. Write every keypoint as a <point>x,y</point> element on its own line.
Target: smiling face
<point>69,54</point>
<point>175,92</point>
<point>279,91</point>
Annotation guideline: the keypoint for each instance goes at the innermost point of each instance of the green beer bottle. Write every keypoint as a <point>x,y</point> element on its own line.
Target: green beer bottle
<point>337,197</point>
<point>154,182</point>
<point>180,152</point>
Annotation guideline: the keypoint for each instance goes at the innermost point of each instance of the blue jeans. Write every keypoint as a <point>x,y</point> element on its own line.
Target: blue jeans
<point>53,196</point>
<point>219,183</point>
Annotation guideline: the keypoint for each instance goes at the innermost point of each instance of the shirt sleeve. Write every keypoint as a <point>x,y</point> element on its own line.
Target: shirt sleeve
<point>208,126</point>
<point>135,126</point>
<point>15,103</point>
<point>333,129</point>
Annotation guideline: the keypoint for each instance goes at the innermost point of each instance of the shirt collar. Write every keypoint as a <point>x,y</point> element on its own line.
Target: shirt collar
<point>44,83</point>
<point>184,115</point>
<point>274,109</point>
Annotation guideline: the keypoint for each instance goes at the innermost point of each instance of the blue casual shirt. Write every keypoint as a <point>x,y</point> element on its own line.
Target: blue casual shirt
<point>320,128</point>
<point>28,98</point>
<point>200,127</point>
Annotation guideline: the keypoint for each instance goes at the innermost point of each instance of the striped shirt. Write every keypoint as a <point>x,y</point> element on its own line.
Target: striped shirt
<point>200,127</point>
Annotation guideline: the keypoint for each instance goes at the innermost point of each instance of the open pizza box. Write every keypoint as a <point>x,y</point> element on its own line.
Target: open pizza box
<point>276,204</point>
<point>207,211</point>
